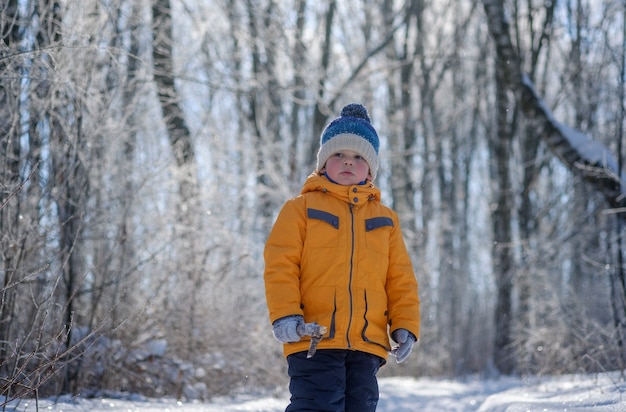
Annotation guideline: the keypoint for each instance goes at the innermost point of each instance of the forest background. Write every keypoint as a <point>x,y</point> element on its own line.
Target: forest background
<point>147,147</point>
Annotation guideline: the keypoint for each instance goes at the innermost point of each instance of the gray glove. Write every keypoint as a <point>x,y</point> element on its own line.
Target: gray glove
<point>289,328</point>
<point>292,328</point>
<point>405,340</point>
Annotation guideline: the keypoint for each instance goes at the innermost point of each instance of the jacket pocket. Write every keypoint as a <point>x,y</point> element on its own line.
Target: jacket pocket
<point>377,233</point>
<point>322,228</point>
<point>375,318</point>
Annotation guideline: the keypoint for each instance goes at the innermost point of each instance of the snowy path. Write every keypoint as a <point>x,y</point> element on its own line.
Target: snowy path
<point>600,393</point>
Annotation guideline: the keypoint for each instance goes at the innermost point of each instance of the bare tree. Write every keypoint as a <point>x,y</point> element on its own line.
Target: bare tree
<point>190,250</point>
<point>11,25</point>
<point>42,342</point>
<point>578,152</point>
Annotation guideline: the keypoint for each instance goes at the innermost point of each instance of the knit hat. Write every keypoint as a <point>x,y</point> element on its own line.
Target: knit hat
<point>352,130</point>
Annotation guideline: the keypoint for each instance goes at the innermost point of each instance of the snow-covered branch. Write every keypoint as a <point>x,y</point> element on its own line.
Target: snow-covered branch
<point>579,152</point>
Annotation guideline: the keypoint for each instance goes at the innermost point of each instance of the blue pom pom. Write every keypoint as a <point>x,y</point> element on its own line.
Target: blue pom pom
<point>355,110</point>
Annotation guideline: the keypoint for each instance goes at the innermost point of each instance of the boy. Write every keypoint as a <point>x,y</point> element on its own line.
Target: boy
<point>336,265</point>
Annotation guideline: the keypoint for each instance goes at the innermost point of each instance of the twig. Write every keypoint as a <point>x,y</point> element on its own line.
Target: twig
<point>19,188</point>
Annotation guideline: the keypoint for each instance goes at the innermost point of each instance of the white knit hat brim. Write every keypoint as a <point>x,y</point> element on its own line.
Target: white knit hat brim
<point>348,141</point>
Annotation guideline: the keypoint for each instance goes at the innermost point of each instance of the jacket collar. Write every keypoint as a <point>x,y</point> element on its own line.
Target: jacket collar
<point>357,194</point>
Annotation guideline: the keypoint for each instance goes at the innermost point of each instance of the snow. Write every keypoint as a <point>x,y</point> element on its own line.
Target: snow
<point>597,392</point>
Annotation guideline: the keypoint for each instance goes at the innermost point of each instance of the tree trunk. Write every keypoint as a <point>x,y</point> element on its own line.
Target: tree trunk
<point>501,218</point>
<point>188,270</point>
<point>265,111</point>
<point>299,64</point>
<point>528,225</point>
<point>321,111</point>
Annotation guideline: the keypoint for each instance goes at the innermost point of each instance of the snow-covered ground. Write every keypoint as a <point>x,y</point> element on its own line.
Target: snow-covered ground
<point>602,392</point>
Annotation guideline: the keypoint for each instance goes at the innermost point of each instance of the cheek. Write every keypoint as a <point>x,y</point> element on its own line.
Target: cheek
<point>331,166</point>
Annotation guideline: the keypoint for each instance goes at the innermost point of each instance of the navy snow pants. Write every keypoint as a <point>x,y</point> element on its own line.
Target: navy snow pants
<point>333,380</point>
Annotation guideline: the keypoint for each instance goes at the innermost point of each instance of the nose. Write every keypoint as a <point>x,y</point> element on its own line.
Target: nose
<point>347,160</point>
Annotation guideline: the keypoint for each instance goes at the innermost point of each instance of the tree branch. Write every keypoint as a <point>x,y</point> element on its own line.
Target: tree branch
<point>579,152</point>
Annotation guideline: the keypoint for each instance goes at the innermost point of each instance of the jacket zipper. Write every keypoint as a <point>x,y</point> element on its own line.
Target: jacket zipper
<point>350,277</point>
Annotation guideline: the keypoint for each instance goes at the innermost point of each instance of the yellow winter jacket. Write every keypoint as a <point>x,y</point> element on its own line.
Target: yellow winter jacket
<point>336,256</point>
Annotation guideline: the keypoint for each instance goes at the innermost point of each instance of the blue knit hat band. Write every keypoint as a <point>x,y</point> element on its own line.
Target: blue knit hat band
<point>351,131</point>
<point>351,125</point>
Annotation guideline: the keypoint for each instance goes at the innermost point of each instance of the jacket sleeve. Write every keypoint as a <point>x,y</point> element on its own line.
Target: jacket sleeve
<point>402,288</point>
<point>283,253</point>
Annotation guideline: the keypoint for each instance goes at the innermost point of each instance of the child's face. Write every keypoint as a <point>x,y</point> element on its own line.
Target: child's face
<point>347,167</point>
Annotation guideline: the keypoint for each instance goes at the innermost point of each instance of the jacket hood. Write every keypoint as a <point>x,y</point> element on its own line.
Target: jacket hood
<point>355,194</point>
